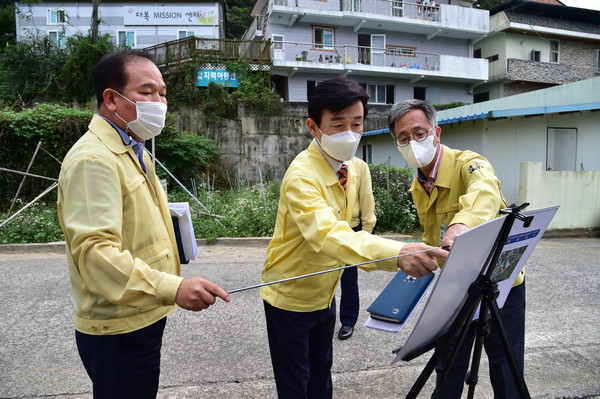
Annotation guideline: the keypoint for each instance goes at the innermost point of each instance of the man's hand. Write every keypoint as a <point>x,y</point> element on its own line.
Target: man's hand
<point>197,294</point>
<point>420,264</point>
<point>452,232</point>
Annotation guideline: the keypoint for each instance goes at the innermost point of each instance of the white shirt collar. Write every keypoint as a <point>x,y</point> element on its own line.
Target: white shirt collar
<point>335,165</point>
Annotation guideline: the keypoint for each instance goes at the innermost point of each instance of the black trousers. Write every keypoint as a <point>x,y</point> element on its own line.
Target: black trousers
<point>349,298</point>
<point>123,366</point>
<point>301,351</point>
<point>513,318</point>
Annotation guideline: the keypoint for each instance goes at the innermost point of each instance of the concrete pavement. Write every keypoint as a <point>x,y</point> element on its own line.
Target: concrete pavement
<point>223,351</point>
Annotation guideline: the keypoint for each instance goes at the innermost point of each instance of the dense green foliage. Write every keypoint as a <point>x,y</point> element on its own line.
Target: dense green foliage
<point>238,17</point>
<point>394,207</point>
<point>36,224</point>
<point>7,23</point>
<point>54,74</point>
<point>245,210</point>
<point>57,127</point>
<point>186,155</point>
<point>217,102</point>
<point>486,4</point>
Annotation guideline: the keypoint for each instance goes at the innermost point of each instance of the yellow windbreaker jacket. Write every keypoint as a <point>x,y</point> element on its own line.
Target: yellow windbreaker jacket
<point>466,191</point>
<point>364,204</point>
<point>121,249</point>
<point>312,234</point>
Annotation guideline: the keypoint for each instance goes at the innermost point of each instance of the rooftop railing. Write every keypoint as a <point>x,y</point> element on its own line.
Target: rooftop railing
<point>389,56</point>
<point>195,48</point>
<point>425,10</point>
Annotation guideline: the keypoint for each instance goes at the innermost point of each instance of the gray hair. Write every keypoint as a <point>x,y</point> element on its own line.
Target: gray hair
<point>402,108</point>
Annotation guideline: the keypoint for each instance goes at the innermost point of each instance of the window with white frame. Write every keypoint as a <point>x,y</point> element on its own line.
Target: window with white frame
<point>277,41</point>
<point>367,153</point>
<point>323,37</point>
<point>57,38</point>
<point>596,64</point>
<point>126,38</point>
<point>182,34</point>
<point>554,50</point>
<point>377,94</point>
<point>56,17</point>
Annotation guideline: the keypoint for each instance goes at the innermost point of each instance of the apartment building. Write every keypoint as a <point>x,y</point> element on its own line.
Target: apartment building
<point>534,45</point>
<point>137,24</point>
<point>397,49</point>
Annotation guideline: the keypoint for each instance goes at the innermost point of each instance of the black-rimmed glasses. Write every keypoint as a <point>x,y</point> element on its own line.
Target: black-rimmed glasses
<point>417,135</point>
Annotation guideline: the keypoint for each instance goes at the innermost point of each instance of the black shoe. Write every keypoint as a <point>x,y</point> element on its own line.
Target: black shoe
<point>346,332</point>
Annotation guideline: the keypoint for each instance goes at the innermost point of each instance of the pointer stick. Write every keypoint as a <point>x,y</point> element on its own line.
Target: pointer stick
<point>331,270</point>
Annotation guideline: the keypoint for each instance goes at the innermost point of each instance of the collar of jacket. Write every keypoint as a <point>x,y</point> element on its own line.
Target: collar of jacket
<point>446,169</point>
<point>108,135</point>
<point>322,167</point>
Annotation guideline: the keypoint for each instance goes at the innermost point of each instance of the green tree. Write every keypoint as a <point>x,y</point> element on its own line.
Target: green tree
<point>486,4</point>
<point>238,20</point>
<point>7,23</point>
<point>35,70</point>
<point>81,56</point>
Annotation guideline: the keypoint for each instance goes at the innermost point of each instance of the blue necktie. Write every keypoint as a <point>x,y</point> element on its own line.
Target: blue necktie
<point>139,151</point>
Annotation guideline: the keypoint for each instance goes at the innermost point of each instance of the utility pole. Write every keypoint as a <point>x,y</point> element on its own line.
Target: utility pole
<point>95,4</point>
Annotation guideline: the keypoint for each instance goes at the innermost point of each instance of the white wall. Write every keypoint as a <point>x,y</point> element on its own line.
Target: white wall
<point>577,193</point>
<point>33,20</point>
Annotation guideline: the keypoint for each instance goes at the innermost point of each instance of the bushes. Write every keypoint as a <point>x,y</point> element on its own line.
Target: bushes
<point>247,210</point>
<point>36,224</point>
<point>56,126</point>
<point>394,207</point>
<point>52,73</point>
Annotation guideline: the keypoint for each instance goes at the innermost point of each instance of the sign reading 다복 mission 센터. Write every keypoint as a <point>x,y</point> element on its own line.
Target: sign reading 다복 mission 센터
<point>172,15</point>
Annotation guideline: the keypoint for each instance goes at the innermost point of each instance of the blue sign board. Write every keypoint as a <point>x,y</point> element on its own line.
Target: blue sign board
<point>219,76</point>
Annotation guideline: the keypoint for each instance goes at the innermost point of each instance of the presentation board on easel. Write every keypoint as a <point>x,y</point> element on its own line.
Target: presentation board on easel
<point>462,267</point>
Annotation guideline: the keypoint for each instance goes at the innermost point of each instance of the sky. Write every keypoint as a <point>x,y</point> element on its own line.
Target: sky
<point>591,4</point>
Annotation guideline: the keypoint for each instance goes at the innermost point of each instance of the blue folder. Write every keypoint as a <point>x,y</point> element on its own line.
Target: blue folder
<point>398,299</point>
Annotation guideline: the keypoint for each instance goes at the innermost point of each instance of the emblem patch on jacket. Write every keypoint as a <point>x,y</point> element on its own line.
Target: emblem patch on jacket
<point>474,166</point>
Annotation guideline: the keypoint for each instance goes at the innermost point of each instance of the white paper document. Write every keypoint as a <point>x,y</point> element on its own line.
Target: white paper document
<point>462,267</point>
<point>181,210</point>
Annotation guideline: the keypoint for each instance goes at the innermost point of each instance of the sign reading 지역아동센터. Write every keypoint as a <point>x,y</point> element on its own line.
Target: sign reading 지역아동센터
<point>219,76</point>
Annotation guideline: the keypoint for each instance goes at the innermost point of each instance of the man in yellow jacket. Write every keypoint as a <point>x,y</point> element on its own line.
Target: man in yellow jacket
<point>363,218</point>
<point>312,234</point>
<point>121,248</point>
<point>453,192</point>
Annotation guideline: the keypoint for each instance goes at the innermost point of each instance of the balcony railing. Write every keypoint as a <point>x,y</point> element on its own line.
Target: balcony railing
<point>425,10</point>
<point>195,48</point>
<point>315,55</point>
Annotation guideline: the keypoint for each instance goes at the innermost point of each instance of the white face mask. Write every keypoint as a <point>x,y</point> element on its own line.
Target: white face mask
<point>419,154</point>
<point>341,146</point>
<point>150,118</point>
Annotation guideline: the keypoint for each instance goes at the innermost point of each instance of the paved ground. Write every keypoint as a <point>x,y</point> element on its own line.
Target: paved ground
<point>223,352</point>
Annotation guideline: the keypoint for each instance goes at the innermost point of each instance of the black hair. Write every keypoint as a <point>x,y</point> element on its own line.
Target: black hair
<point>334,95</point>
<point>109,71</point>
